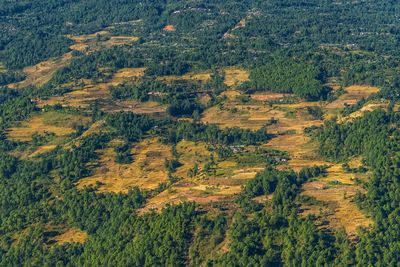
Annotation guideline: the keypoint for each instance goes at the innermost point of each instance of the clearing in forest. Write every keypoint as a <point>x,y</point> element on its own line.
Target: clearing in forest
<point>149,107</point>
<point>102,39</point>
<point>79,98</point>
<point>41,73</point>
<point>352,95</point>
<point>336,191</point>
<point>128,74</point>
<point>220,181</point>
<point>251,117</point>
<point>52,129</point>
<point>235,76</point>
<point>366,108</point>
<point>146,171</point>
<point>244,112</point>
<point>269,96</point>
<point>241,24</point>
<point>57,123</point>
<point>84,92</point>
<point>204,77</point>
<point>72,235</point>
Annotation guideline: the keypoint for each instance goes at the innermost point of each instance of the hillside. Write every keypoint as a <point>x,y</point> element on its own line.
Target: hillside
<point>199,133</point>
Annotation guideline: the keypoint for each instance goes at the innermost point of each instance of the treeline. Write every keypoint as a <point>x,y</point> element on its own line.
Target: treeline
<point>338,142</point>
<point>8,77</point>
<point>284,76</point>
<point>98,66</point>
<point>133,127</point>
<point>375,137</point>
<point>214,135</point>
<point>181,97</point>
<point>276,236</point>
<point>13,107</point>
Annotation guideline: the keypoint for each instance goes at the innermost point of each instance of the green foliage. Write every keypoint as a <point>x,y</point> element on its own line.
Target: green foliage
<point>289,46</point>
<point>302,79</point>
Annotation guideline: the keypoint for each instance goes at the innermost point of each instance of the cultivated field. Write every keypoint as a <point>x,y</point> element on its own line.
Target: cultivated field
<point>191,76</point>
<point>86,92</point>
<point>235,76</point>
<point>256,114</point>
<point>366,108</point>
<point>53,127</point>
<point>96,41</point>
<point>146,171</point>
<point>219,184</point>
<point>57,123</point>
<point>221,180</point>
<point>41,73</point>
<point>352,95</point>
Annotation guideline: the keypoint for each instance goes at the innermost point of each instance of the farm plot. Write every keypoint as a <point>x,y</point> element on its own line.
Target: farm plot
<point>219,182</point>
<point>366,108</point>
<point>235,76</point>
<point>146,171</point>
<point>57,123</point>
<point>203,77</point>
<point>337,190</point>
<point>352,95</point>
<point>51,128</point>
<point>247,116</point>
<point>86,92</point>
<point>102,39</point>
<point>41,73</point>
<point>256,114</point>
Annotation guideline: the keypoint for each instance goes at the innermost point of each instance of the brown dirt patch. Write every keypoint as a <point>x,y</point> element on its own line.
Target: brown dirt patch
<point>169,28</point>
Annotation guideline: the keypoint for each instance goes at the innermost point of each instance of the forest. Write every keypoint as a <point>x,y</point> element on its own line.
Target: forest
<point>199,133</point>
